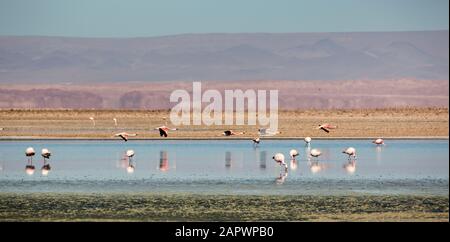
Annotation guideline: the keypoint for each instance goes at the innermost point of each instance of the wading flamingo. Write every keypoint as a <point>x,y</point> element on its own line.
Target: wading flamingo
<point>293,153</point>
<point>29,152</point>
<point>279,158</point>
<point>29,168</point>
<point>130,154</point>
<point>256,141</point>
<point>315,153</point>
<point>378,141</point>
<point>351,152</point>
<point>46,167</point>
<point>115,122</point>
<point>307,141</point>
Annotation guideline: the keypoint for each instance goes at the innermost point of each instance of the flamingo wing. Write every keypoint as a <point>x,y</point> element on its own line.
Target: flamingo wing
<point>123,137</point>
<point>163,132</point>
<point>324,129</point>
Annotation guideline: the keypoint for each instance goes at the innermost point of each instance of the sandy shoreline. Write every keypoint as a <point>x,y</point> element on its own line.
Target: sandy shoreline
<point>224,138</point>
<point>405,123</point>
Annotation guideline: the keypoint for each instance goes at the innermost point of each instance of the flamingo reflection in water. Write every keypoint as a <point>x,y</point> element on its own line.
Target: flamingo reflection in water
<point>262,159</point>
<point>317,167</point>
<point>131,166</point>
<point>228,160</point>
<point>281,178</point>
<point>350,167</point>
<point>163,161</point>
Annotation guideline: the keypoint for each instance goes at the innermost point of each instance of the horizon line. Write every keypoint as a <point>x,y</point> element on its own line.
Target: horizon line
<point>219,33</point>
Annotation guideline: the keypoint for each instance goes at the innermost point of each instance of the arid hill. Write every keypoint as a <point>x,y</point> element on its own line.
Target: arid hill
<point>350,94</point>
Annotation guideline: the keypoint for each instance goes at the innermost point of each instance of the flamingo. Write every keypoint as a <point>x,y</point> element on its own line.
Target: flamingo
<point>29,168</point>
<point>350,151</point>
<point>279,158</point>
<point>231,132</point>
<point>315,153</point>
<point>115,122</point>
<point>256,141</point>
<point>124,135</point>
<point>266,132</point>
<point>326,127</point>
<point>378,141</point>
<point>164,130</point>
<point>46,154</point>
<point>46,167</point>
<point>293,153</point>
<point>307,141</point>
<point>130,154</point>
<point>29,152</point>
<point>93,120</point>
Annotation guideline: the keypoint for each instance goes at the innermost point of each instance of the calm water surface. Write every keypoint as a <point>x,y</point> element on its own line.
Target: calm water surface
<point>228,167</point>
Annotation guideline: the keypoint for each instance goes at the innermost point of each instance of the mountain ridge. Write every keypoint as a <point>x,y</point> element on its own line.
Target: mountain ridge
<point>227,57</point>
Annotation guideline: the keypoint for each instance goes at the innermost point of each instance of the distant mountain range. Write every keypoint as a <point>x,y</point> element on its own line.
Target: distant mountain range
<point>227,57</point>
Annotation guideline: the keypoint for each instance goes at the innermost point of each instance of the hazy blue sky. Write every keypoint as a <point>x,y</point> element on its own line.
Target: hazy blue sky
<point>114,18</point>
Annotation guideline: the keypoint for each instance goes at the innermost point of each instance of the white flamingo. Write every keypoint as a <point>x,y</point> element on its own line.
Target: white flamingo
<point>46,167</point>
<point>279,158</point>
<point>29,168</point>
<point>378,141</point>
<point>307,141</point>
<point>115,122</point>
<point>93,120</point>
<point>130,154</point>
<point>293,153</point>
<point>315,153</point>
<point>29,152</point>
<point>351,152</point>
<point>256,141</point>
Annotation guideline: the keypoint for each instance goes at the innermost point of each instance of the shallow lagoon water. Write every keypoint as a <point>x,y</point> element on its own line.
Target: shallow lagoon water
<point>228,167</point>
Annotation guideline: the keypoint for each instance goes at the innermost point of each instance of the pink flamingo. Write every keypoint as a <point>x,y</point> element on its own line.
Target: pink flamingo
<point>326,127</point>
<point>124,135</point>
